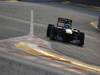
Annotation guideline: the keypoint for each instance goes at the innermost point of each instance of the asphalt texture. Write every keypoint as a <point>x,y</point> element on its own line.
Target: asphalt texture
<point>14,18</point>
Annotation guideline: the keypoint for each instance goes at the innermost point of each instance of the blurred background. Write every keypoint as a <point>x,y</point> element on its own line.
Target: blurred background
<point>87,2</point>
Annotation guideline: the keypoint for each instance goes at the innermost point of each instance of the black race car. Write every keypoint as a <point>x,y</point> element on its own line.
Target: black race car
<point>63,31</point>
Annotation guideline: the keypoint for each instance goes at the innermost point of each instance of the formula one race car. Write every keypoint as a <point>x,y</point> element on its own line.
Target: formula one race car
<point>63,31</point>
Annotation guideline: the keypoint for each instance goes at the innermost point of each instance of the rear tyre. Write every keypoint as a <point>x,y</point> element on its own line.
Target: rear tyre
<point>49,29</point>
<point>81,38</point>
<point>53,33</point>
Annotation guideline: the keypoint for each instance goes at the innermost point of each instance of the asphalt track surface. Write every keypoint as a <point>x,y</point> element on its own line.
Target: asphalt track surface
<point>15,18</point>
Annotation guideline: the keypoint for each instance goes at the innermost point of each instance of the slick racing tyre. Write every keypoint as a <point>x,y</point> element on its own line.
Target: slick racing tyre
<point>81,38</point>
<point>53,33</point>
<point>49,29</point>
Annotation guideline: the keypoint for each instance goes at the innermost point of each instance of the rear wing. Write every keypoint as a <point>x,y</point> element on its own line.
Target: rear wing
<point>65,20</point>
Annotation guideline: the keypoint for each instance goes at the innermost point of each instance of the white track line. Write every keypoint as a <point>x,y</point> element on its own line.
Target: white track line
<point>31,23</point>
<point>20,20</point>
